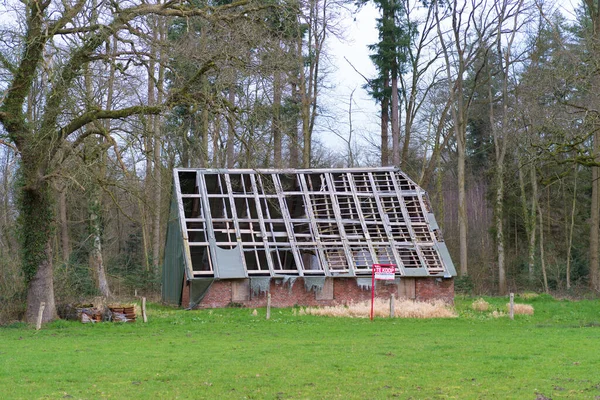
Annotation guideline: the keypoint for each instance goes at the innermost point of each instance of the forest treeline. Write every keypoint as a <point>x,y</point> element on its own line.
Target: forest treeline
<point>491,106</point>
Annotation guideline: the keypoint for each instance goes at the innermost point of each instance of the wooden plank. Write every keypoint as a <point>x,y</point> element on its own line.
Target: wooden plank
<point>386,226</point>
<point>340,225</point>
<point>327,292</point>
<point>210,233</point>
<point>285,213</point>
<point>411,231</point>
<point>240,290</point>
<point>361,217</point>
<point>261,221</point>
<point>407,288</point>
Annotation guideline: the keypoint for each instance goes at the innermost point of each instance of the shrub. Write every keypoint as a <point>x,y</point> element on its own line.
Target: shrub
<point>464,285</point>
<point>480,305</point>
<point>12,291</point>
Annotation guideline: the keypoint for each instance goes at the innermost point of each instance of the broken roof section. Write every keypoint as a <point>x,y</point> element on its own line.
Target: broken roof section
<point>320,222</point>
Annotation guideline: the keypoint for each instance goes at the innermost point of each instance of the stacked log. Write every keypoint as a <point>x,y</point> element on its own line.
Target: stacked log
<point>88,313</point>
<point>122,313</point>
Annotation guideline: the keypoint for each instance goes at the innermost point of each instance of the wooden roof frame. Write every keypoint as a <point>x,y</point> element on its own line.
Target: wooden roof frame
<point>240,223</point>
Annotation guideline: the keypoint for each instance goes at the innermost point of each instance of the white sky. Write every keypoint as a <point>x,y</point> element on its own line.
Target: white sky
<point>360,31</point>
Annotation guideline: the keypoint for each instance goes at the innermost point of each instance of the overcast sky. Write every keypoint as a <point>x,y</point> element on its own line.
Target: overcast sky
<point>360,31</point>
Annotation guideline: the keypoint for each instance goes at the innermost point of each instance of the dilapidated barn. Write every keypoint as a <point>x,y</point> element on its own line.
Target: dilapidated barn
<point>308,237</point>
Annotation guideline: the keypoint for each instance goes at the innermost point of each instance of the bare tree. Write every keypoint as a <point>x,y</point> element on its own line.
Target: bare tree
<point>506,10</point>
<point>468,38</point>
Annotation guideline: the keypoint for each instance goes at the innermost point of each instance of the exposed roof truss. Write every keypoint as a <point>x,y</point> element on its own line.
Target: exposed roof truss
<point>240,223</point>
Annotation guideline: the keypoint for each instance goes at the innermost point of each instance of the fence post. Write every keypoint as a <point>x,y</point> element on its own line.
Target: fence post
<point>511,310</point>
<point>38,325</point>
<point>392,305</point>
<point>144,316</point>
<point>268,305</point>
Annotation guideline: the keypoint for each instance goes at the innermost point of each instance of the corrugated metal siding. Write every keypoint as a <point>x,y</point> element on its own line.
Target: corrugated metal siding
<point>174,263</point>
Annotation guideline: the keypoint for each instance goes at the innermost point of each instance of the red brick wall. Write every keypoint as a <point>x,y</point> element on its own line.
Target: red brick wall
<point>435,288</point>
<point>345,290</point>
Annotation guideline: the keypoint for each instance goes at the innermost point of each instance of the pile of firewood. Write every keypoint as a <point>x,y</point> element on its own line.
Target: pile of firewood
<point>122,313</point>
<point>81,312</point>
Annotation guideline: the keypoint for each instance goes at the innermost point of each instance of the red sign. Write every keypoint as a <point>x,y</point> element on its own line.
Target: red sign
<point>381,272</point>
<point>384,272</point>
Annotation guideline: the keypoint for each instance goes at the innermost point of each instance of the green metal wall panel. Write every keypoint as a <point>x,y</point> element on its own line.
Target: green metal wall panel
<point>174,262</point>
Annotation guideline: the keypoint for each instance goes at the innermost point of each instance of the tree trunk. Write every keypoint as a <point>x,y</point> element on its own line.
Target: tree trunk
<point>231,131</point>
<point>409,116</point>
<point>35,209</point>
<point>96,260</point>
<point>459,114</point>
<point>571,226</point>
<point>97,156</point>
<point>146,212</point>
<point>593,10</point>
<point>438,147</point>
<point>304,107</point>
<point>41,289</point>
<point>204,124</point>
<point>65,245</point>
<point>293,131</point>
<point>462,198</point>
<point>542,257</point>
<point>529,216</point>
<point>385,121</point>
<point>156,236</point>
<point>395,120</point>
<point>595,220</point>
<point>499,218</point>
<point>216,139</point>
<point>276,120</point>
<point>532,223</point>
<point>305,115</point>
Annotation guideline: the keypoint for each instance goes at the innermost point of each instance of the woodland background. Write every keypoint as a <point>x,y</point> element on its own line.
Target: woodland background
<point>491,106</point>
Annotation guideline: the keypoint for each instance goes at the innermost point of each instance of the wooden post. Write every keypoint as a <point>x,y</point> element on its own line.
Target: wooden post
<point>38,325</point>
<point>392,305</point>
<point>511,309</point>
<point>135,293</point>
<point>268,305</point>
<point>144,316</point>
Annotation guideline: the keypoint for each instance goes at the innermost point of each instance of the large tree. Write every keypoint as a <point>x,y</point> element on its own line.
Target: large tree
<point>390,56</point>
<point>56,40</point>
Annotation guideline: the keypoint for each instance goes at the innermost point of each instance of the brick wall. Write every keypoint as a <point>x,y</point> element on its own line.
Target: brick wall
<point>345,290</point>
<point>434,288</point>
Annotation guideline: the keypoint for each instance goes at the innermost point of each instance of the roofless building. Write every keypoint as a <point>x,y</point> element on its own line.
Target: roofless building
<point>309,237</point>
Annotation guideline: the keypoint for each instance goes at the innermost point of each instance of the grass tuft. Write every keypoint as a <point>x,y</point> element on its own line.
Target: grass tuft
<point>480,305</point>
<point>525,309</point>
<point>403,308</point>
<point>528,295</point>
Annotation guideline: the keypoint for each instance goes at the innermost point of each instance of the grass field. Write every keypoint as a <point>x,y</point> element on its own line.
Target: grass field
<point>228,353</point>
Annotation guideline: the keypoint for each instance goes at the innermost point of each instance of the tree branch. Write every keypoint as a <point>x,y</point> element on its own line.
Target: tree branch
<point>9,145</point>
<point>7,64</point>
<point>93,115</point>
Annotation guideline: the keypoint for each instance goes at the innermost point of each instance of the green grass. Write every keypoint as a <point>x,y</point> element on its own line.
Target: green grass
<point>228,353</point>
